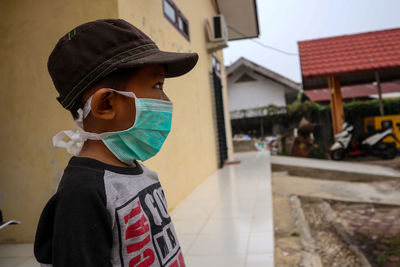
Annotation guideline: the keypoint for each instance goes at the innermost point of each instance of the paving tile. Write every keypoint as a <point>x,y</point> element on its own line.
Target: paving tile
<point>261,243</point>
<point>232,212</point>
<point>228,226</point>
<point>30,262</point>
<point>186,242</point>
<point>262,224</point>
<point>220,244</point>
<point>260,260</point>
<point>184,227</point>
<point>11,262</point>
<point>216,261</point>
<point>16,250</point>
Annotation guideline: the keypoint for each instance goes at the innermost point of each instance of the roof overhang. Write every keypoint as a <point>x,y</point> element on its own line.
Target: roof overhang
<point>356,91</point>
<point>385,75</point>
<point>243,62</point>
<point>241,18</point>
<point>353,58</point>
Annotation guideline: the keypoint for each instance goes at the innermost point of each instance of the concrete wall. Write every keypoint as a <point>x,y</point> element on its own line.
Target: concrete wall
<point>254,94</point>
<point>30,168</point>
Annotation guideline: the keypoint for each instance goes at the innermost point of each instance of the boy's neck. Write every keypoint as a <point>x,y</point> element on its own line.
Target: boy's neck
<point>96,149</point>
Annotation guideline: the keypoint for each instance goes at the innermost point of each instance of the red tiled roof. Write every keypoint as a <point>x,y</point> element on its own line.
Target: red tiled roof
<point>350,53</point>
<point>356,91</point>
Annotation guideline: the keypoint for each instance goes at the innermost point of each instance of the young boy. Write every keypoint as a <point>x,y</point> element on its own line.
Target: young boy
<point>109,209</point>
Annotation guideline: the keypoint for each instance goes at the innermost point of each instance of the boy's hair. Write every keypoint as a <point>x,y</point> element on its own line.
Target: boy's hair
<point>116,80</point>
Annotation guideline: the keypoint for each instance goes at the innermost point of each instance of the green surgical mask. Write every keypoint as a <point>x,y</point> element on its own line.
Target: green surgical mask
<point>140,142</point>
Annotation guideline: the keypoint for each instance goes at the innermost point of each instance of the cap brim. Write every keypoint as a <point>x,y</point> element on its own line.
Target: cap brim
<point>176,64</point>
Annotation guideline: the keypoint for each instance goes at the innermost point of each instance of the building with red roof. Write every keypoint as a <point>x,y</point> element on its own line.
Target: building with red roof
<point>349,60</point>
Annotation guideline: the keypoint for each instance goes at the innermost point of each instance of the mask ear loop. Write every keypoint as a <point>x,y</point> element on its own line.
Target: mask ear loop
<point>83,113</point>
<point>77,138</point>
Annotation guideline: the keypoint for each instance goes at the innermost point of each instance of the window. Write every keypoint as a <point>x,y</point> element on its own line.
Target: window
<point>169,11</point>
<point>175,16</point>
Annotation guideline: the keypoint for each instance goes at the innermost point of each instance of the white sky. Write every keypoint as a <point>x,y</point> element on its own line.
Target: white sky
<point>285,22</point>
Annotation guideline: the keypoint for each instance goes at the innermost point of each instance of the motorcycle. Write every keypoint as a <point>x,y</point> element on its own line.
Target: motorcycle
<point>371,144</point>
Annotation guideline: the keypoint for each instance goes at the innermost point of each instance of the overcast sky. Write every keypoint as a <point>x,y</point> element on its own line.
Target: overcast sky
<point>285,22</point>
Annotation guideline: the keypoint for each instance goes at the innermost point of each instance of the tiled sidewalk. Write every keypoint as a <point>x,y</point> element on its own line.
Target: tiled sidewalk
<point>227,220</point>
<point>20,255</point>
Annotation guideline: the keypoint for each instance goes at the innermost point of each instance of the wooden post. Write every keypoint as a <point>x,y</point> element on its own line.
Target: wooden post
<point>378,83</point>
<point>336,103</point>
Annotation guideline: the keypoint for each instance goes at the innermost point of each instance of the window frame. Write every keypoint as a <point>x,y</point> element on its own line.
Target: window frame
<point>178,15</point>
<point>216,64</point>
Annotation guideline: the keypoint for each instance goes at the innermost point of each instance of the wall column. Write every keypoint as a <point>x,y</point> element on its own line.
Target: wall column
<point>336,103</point>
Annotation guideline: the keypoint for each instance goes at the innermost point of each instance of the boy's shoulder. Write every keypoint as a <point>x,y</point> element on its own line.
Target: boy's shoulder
<point>79,174</point>
<point>83,175</point>
<point>80,184</point>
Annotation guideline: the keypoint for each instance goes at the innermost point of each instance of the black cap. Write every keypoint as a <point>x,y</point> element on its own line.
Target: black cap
<point>93,50</point>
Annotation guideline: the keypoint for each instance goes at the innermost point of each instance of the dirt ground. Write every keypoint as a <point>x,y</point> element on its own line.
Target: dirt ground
<point>380,250</point>
<point>332,249</point>
<point>374,228</point>
<point>288,248</point>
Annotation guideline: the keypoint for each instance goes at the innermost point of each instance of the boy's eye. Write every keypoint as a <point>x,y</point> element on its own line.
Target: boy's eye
<point>159,85</point>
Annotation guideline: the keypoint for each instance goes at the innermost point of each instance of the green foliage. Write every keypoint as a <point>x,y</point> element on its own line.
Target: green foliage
<point>285,152</point>
<point>371,108</point>
<point>381,259</point>
<point>290,116</point>
<point>312,109</point>
<point>318,152</point>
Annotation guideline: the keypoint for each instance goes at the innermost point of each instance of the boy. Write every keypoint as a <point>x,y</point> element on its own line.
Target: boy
<point>109,209</point>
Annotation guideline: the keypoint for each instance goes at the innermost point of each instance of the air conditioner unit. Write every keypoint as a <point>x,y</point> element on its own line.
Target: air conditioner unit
<point>217,33</point>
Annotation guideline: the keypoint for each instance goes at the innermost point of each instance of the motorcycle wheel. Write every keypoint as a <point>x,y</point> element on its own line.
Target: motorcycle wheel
<point>390,152</point>
<point>337,154</point>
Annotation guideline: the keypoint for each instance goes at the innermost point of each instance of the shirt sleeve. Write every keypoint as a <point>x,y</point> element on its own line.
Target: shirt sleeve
<point>81,226</point>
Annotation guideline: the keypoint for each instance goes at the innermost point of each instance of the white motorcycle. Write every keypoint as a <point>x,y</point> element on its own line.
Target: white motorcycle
<point>373,144</point>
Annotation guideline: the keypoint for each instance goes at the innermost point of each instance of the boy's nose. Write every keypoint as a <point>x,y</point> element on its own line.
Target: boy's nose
<point>164,96</point>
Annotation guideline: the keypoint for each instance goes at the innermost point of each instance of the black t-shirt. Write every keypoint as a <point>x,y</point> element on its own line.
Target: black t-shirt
<point>104,215</point>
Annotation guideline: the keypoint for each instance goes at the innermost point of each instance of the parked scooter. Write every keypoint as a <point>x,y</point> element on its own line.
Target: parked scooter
<point>372,144</point>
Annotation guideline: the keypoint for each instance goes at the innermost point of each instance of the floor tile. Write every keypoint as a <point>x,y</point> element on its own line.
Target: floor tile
<point>30,262</point>
<point>261,242</point>
<point>262,224</point>
<point>227,220</point>
<point>192,211</point>
<point>260,260</point>
<point>227,226</point>
<point>232,212</point>
<point>183,227</point>
<point>220,245</point>
<point>186,242</point>
<point>216,261</point>
<point>10,262</point>
<point>16,250</point>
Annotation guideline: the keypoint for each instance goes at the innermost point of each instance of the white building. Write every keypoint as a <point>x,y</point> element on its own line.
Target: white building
<point>251,88</point>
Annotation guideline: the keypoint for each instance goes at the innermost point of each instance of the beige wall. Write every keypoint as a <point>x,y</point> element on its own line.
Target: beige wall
<point>30,167</point>
<point>189,154</point>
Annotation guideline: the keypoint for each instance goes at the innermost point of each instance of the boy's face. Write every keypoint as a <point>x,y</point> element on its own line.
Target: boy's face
<point>147,82</point>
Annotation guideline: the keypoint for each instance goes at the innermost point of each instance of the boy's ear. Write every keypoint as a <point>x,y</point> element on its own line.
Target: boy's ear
<point>103,104</point>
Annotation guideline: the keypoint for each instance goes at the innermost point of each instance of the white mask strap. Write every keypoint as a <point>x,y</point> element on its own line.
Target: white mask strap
<point>77,138</point>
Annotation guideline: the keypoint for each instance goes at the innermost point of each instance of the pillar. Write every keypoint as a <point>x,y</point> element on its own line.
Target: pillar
<point>336,103</point>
